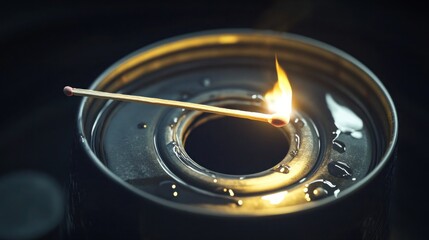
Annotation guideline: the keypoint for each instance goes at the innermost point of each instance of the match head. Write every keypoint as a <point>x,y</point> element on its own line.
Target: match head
<point>278,120</point>
<point>68,91</point>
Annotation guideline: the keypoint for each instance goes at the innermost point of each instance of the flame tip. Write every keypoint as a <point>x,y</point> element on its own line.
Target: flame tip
<point>279,98</point>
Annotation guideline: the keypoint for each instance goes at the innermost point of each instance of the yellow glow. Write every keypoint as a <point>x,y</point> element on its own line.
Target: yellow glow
<point>173,186</point>
<point>275,198</point>
<point>175,194</point>
<point>279,98</point>
<point>228,39</point>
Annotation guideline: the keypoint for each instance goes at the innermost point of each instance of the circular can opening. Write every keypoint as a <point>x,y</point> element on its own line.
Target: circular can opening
<point>215,153</point>
<point>235,146</point>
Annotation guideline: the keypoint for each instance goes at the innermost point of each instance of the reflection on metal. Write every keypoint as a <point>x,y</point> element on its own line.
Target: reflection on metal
<point>275,198</point>
<point>231,193</point>
<point>228,39</point>
<point>344,118</point>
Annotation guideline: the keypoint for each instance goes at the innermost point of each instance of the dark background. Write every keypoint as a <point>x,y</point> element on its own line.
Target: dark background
<point>45,46</point>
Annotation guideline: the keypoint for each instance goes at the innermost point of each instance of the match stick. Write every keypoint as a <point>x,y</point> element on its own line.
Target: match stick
<point>273,119</point>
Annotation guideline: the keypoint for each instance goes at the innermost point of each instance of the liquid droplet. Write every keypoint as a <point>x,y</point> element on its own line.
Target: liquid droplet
<point>320,192</point>
<point>185,95</point>
<point>206,82</point>
<point>168,189</point>
<point>298,122</point>
<point>142,125</point>
<point>282,168</point>
<point>340,169</point>
<point>231,192</point>
<point>336,192</point>
<point>318,189</point>
<point>173,124</point>
<point>298,141</point>
<point>339,146</point>
<point>214,178</point>
<point>257,97</point>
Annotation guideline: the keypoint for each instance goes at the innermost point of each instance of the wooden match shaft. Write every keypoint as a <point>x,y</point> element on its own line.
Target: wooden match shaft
<point>270,118</point>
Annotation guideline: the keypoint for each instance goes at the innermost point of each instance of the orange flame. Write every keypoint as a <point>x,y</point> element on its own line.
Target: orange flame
<point>279,98</point>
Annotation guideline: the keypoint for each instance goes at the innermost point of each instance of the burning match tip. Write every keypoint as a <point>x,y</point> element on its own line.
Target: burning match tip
<point>68,91</point>
<point>278,121</point>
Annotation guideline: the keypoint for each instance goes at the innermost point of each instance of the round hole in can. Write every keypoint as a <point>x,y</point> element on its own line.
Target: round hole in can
<point>235,146</point>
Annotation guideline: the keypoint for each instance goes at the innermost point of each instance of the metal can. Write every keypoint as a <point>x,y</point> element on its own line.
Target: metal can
<point>150,172</point>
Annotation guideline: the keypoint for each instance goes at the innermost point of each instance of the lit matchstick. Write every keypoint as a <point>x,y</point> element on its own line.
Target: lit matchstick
<point>276,120</point>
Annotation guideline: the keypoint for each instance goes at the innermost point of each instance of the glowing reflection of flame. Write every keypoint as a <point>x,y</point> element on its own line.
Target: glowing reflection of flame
<point>279,98</point>
<point>275,198</point>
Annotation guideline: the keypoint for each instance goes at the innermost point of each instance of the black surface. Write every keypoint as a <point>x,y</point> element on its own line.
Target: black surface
<point>45,46</point>
<point>228,151</point>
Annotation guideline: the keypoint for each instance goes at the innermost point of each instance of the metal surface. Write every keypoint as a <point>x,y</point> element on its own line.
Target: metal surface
<point>143,162</point>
